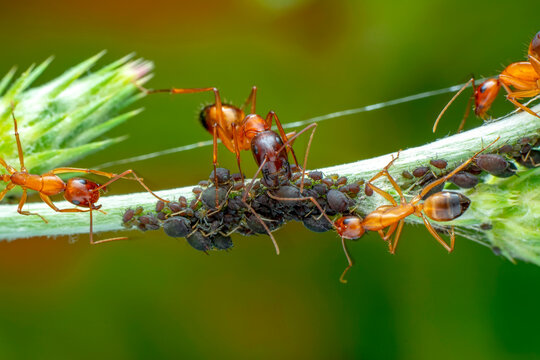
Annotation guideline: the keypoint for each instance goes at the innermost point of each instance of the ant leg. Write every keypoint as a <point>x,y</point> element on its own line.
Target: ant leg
<point>389,233</point>
<point>214,161</point>
<point>237,151</point>
<point>276,246</point>
<point>471,80</point>
<point>291,139</point>
<point>191,91</point>
<point>65,170</point>
<point>17,139</point>
<point>384,172</point>
<point>9,186</point>
<point>251,101</point>
<point>47,200</point>
<point>467,111</point>
<point>396,238</point>
<point>284,138</point>
<point>383,193</point>
<point>349,259</point>
<point>100,241</point>
<point>9,169</point>
<point>512,96</point>
<point>452,173</point>
<point>139,180</point>
<point>452,237</point>
<point>437,236</point>
<point>304,165</point>
<point>253,179</point>
<point>177,90</point>
<point>111,176</point>
<point>21,204</point>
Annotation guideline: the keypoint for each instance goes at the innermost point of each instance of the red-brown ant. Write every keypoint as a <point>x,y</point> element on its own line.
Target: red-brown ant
<point>238,131</point>
<point>523,76</point>
<point>441,206</point>
<point>78,191</point>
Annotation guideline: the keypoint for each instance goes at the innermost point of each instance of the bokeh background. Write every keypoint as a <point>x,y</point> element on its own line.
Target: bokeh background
<point>155,297</point>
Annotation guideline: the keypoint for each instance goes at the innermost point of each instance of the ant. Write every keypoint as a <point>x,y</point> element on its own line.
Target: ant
<point>238,131</point>
<point>78,191</point>
<point>441,206</point>
<point>524,76</point>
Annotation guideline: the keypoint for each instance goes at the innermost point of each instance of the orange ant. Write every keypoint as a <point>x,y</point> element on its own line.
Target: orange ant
<point>78,191</point>
<point>441,206</point>
<point>524,76</point>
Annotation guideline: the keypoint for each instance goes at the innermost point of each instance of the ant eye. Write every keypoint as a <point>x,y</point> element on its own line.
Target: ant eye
<point>202,118</point>
<point>75,202</point>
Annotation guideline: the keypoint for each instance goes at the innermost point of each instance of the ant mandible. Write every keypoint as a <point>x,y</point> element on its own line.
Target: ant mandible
<point>523,76</point>
<point>441,206</point>
<point>78,191</point>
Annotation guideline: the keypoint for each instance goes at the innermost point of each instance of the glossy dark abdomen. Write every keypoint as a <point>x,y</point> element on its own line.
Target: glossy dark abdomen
<point>267,144</point>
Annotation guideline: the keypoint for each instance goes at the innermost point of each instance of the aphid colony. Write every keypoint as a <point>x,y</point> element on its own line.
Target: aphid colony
<point>207,227</point>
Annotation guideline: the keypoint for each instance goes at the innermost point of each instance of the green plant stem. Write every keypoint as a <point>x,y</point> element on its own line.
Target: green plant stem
<point>455,149</point>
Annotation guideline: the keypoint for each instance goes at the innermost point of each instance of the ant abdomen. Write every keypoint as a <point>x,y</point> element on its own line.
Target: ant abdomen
<point>446,205</point>
<point>266,145</point>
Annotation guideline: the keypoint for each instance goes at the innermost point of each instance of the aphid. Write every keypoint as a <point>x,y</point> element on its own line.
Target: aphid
<point>128,215</point>
<point>441,206</point>
<point>496,165</point>
<point>506,149</point>
<point>439,163</point>
<point>199,242</point>
<point>523,76</point>
<point>368,191</point>
<point>159,205</point>
<point>175,207</point>
<point>177,226</point>
<point>341,181</point>
<point>222,242</point>
<point>407,175</point>
<point>464,180</point>
<point>420,171</point>
<point>78,191</point>
<point>316,175</point>
<point>337,201</point>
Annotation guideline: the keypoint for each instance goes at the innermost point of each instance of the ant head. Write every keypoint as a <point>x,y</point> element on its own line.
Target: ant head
<point>349,227</point>
<point>80,192</point>
<point>534,47</point>
<point>230,114</point>
<point>484,96</point>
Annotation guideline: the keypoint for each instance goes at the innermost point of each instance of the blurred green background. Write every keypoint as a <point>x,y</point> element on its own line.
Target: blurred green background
<point>155,297</point>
